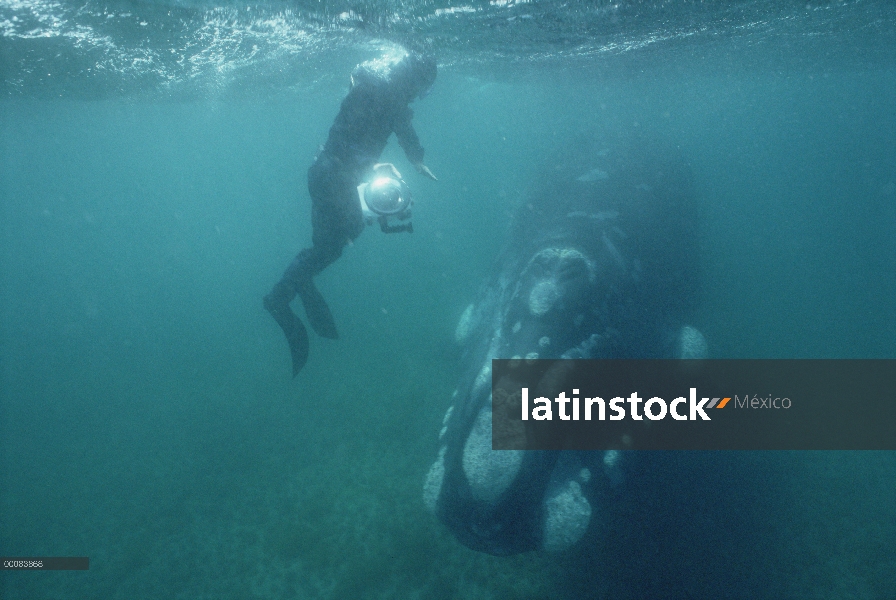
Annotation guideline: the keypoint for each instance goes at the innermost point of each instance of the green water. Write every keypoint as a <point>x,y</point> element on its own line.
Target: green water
<point>147,416</point>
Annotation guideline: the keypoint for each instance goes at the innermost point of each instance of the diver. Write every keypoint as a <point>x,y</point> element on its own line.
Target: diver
<point>341,201</point>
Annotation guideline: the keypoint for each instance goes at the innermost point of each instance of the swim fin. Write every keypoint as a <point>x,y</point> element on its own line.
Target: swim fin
<point>295,332</point>
<point>318,312</point>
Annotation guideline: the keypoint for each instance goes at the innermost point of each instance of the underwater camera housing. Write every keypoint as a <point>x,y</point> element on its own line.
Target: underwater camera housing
<point>383,199</point>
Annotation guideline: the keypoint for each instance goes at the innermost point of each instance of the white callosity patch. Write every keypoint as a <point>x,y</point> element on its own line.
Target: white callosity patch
<point>611,458</point>
<point>691,344</point>
<point>543,297</point>
<point>489,472</point>
<point>484,376</point>
<point>464,325</point>
<point>568,513</point>
<point>550,256</point>
<point>613,467</point>
<point>548,290</point>
<point>432,485</point>
<point>448,413</point>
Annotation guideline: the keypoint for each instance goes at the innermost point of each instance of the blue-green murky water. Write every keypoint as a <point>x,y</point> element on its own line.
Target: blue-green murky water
<point>153,188</point>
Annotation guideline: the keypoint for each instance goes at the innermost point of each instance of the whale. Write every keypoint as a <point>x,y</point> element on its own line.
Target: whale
<point>601,261</point>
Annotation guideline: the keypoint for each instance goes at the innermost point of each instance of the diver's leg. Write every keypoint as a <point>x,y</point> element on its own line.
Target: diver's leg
<point>336,220</point>
<point>277,303</point>
<point>307,264</point>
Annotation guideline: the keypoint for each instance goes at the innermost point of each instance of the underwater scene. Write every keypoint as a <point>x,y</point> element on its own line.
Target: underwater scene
<point>175,173</point>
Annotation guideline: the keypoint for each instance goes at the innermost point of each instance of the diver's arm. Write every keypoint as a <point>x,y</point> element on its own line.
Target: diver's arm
<point>389,170</point>
<point>408,140</point>
<point>386,170</point>
<point>424,170</point>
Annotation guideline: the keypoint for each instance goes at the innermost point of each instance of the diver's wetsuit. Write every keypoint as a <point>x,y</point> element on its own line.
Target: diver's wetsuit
<point>369,115</point>
<point>375,107</point>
